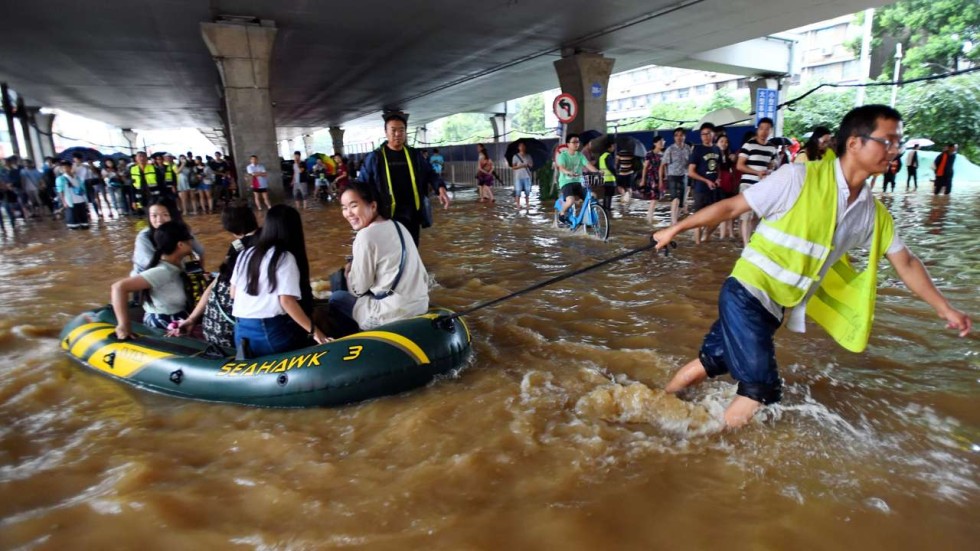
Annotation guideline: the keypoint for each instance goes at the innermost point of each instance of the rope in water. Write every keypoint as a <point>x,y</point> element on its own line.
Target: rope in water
<point>556,279</point>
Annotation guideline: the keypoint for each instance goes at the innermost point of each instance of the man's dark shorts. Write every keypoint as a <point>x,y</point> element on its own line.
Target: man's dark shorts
<point>574,188</point>
<point>740,342</point>
<point>675,186</point>
<point>702,200</point>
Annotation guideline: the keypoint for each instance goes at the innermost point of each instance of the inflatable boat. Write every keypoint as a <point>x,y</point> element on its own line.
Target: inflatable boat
<point>390,359</point>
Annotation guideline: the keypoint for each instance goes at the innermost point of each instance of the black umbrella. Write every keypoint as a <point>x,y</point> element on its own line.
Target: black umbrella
<point>159,154</point>
<point>536,149</point>
<point>87,153</point>
<point>588,136</point>
<point>631,144</point>
<point>780,141</point>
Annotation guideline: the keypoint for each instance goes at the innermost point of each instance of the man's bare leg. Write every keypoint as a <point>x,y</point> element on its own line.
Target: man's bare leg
<point>675,208</point>
<point>740,411</point>
<point>748,226</point>
<point>689,375</point>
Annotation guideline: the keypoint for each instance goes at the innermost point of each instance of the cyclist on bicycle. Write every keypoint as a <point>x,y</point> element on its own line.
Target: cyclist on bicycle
<point>571,163</point>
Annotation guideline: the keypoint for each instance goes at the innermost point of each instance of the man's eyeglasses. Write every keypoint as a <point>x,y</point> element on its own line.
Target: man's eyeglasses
<point>889,144</point>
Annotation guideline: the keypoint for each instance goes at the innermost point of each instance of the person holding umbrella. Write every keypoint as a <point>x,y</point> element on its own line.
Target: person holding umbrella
<point>912,163</point>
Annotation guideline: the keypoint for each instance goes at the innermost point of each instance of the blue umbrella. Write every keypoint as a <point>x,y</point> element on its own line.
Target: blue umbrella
<point>119,156</point>
<point>87,153</point>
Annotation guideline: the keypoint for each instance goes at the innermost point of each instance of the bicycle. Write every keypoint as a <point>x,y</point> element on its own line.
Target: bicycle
<point>586,214</point>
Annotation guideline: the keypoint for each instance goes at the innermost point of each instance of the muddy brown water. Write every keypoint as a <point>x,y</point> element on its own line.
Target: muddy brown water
<point>556,434</point>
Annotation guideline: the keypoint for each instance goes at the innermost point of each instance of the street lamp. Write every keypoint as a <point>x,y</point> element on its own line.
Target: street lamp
<point>898,70</point>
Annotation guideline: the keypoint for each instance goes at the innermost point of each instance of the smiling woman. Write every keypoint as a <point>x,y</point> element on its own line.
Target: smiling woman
<point>386,280</point>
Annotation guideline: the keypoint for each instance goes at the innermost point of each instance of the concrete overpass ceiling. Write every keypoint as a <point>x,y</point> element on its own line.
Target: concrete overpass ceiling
<point>143,64</point>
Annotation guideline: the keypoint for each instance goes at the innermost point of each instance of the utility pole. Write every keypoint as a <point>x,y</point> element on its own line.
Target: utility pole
<point>869,16</point>
<point>898,72</point>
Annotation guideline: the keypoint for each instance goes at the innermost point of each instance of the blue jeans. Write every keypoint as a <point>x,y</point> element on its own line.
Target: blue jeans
<point>270,335</point>
<point>522,185</point>
<point>740,342</point>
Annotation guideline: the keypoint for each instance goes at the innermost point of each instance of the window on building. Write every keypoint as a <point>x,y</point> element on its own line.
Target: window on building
<point>683,93</point>
<point>701,90</point>
<point>741,83</point>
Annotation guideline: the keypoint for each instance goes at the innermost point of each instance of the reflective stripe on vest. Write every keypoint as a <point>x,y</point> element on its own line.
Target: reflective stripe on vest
<point>411,173</point>
<point>784,239</point>
<point>607,175</point>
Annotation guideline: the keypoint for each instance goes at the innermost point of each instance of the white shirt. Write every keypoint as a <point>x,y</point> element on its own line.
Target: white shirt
<point>266,304</point>
<point>377,255</point>
<point>258,169</point>
<point>296,173</point>
<point>774,196</point>
<point>520,159</point>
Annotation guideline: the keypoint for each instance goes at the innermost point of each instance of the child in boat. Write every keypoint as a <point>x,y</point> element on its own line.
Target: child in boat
<point>162,283</point>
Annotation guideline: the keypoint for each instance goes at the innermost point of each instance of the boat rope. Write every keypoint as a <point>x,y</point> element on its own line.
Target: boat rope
<point>445,321</point>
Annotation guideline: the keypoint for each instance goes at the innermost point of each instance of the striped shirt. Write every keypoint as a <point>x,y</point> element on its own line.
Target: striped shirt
<point>757,157</point>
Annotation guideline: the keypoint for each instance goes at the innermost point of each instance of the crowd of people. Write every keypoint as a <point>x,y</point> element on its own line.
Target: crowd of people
<point>808,213</point>
<point>78,189</point>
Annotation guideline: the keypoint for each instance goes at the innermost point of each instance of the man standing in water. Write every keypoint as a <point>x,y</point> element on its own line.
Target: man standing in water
<point>402,177</point>
<point>812,215</point>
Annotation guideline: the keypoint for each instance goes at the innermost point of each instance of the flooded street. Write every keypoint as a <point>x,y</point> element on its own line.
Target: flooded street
<point>556,435</point>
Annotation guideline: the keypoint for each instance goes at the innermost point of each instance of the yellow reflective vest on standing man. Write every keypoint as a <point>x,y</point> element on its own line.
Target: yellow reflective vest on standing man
<point>784,259</point>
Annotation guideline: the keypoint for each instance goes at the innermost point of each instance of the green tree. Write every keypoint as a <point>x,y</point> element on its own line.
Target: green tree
<point>461,128</point>
<point>530,114</point>
<point>825,107</point>
<point>944,111</point>
<point>935,34</point>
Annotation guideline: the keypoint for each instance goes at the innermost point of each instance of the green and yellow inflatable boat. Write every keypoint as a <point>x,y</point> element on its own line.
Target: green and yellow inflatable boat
<point>390,359</point>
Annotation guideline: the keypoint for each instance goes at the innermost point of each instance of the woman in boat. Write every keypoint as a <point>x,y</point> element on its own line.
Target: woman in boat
<point>386,279</point>
<point>162,210</point>
<point>270,285</point>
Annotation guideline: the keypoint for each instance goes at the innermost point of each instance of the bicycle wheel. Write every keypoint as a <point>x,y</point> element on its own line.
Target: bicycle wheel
<point>599,226</point>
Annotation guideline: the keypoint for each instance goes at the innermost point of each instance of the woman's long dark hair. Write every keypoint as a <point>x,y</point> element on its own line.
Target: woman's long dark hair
<point>282,233</point>
<point>813,144</point>
<point>726,162</point>
<point>166,238</point>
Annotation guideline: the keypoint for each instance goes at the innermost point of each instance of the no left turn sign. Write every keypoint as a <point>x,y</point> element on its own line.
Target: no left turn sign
<point>565,108</point>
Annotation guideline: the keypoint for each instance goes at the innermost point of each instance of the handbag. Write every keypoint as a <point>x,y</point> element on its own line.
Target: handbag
<point>196,281</point>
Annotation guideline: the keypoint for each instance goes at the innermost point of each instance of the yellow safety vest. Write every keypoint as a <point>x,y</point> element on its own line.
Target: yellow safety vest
<point>411,174</point>
<point>784,258</point>
<point>149,175</point>
<point>607,175</point>
<point>169,174</point>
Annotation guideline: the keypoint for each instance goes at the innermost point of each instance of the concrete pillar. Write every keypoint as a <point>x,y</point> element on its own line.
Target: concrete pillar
<point>34,138</point>
<point>242,53</point>
<point>337,135</point>
<point>27,147</point>
<point>774,83</point>
<point>8,111</point>
<point>130,136</point>
<point>45,123</point>
<point>308,145</point>
<point>422,137</point>
<point>499,124</point>
<point>586,77</point>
